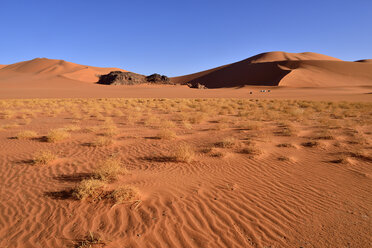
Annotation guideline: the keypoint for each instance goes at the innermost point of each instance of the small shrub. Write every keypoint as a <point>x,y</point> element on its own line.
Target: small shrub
<point>56,135</point>
<point>124,194</point>
<point>88,188</point>
<point>71,128</point>
<point>184,153</point>
<point>27,134</point>
<point>251,150</point>
<point>310,144</point>
<point>226,143</point>
<point>91,241</point>
<point>44,157</point>
<point>166,134</point>
<point>287,145</point>
<point>283,158</point>
<point>102,141</point>
<point>109,169</point>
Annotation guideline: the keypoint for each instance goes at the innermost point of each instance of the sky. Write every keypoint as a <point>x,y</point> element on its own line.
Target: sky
<point>176,37</point>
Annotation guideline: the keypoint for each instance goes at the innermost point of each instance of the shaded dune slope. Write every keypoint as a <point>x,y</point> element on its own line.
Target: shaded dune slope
<point>284,69</point>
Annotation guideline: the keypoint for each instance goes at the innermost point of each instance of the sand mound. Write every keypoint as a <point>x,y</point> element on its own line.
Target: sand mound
<point>44,67</point>
<point>364,61</point>
<point>284,69</point>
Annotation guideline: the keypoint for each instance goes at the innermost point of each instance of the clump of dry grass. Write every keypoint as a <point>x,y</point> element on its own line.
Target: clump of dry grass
<point>360,154</point>
<point>56,135</point>
<point>109,169</point>
<point>310,144</point>
<point>26,134</point>
<point>124,194</point>
<point>228,142</point>
<point>184,153</point>
<point>102,141</point>
<point>251,150</point>
<point>91,240</point>
<point>166,134</point>
<point>217,153</point>
<point>250,125</point>
<point>287,145</point>
<point>43,157</point>
<point>283,158</point>
<point>71,128</point>
<point>323,134</point>
<point>88,188</point>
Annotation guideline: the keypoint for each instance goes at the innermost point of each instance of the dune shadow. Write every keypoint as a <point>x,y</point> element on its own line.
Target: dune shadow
<point>74,177</point>
<point>152,138</point>
<point>41,139</point>
<point>159,159</point>
<point>60,195</point>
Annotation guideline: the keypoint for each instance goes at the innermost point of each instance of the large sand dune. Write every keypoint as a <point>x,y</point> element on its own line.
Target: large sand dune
<point>329,79</point>
<point>41,68</point>
<point>285,69</point>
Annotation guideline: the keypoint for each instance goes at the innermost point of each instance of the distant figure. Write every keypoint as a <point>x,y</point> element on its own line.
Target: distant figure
<point>250,92</point>
<point>268,90</point>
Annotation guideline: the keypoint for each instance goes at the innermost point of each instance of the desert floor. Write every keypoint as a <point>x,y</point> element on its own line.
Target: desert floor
<point>212,172</point>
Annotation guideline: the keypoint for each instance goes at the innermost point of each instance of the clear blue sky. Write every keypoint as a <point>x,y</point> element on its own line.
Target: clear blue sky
<point>177,37</point>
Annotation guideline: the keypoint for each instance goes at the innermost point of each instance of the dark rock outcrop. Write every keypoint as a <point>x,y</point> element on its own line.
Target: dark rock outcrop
<point>130,78</point>
<point>157,78</point>
<point>121,78</point>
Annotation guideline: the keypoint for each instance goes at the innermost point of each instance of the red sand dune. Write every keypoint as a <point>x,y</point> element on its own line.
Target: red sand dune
<point>339,80</point>
<point>48,68</point>
<point>285,69</point>
<point>364,61</point>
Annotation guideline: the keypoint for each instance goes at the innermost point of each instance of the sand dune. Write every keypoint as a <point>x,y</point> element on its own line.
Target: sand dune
<point>364,61</point>
<point>49,68</point>
<point>284,69</point>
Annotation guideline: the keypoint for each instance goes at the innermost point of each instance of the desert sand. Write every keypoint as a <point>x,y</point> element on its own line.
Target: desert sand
<point>87,165</point>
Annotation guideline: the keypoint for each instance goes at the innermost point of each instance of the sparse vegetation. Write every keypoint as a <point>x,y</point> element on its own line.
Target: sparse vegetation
<point>91,240</point>
<point>44,157</point>
<point>26,134</point>
<point>184,153</point>
<point>228,142</point>
<point>310,144</point>
<point>89,188</point>
<point>102,141</point>
<point>109,169</point>
<point>56,135</point>
<point>166,134</point>
<point>124,194</point>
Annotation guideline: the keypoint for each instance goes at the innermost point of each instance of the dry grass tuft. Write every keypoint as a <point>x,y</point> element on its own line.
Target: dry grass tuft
<point>109,169</point>
<point>88,188</point>
<point>102,141</point>
<point>72,128</point>
<point>166,134</point>
<point>226,143</point>
<point>91,240</point>
<point>310,144</point>
<point>124,194</point>
<point>287,145</point>
<point>44,157</point>
<point>251,150</point>
<point>323,134</point>
<point>283,158</point>
<point>56,135</point>
<point>26,134</point>
<point>184,153</point>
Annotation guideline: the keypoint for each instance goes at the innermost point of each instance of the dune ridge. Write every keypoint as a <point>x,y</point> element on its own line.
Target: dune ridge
<point>284,69</point>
